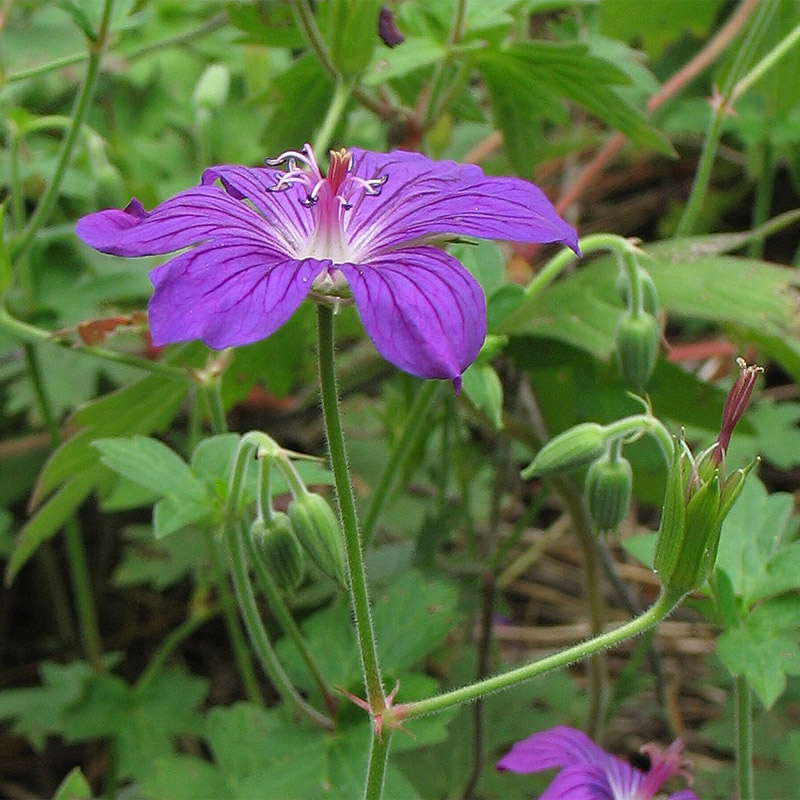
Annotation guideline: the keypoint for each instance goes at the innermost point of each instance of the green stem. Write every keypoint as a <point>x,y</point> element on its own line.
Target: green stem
<point>763,198</point>
<point>636,423</point>
<point>241,654</point>
<point>655,614</point>
<point>216,411</point>
<point>33,334</point>
<point>232,532</point>
<point>376,769</point>
<point>359,592</point>
<point>171,643</point>
<point>702,179</point>
<point>76,553</point>
<point>290,627</point>
<point>308,27</point>
<point>766,63</point>
<point>417,416</point>
<point>744,739</point>
<point>341,94</point>
<point>217,21</point>
<point>82,103</point>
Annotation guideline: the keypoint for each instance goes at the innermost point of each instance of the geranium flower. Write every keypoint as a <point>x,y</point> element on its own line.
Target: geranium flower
<point>262,239</point>
<point>589,773</point>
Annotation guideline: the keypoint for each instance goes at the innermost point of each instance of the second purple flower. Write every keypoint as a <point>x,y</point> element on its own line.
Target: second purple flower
<point>262,239</point>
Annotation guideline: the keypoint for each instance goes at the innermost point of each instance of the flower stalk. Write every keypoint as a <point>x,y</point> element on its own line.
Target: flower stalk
<point>359,592</point>
<point>655,614</point>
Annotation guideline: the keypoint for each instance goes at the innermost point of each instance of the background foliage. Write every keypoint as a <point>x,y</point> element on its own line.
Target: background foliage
<point>117,629</point>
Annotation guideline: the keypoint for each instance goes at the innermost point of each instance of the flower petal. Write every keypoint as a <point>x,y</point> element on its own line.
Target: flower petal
<point>561,746</point>
<point>579,782</point>
<point>683,794</point>
<point>187,218</point>
<point>422,197</point>
<point>423,311</point>
<point>282,210</point>
<point>227,293</point>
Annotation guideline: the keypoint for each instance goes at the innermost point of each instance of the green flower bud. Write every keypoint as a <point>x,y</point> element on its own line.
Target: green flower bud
<point>701,532</point>
<point>608,491</point>
<point>649,293</point>
<point>211,90</point>
<point>277,546</point>
<point>318,530</point>
<point>574,448</point>
<point>637,349</point>
<point>696,503</point>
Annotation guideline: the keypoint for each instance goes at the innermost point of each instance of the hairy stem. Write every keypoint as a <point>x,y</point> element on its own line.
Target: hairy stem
<point>359,593</point>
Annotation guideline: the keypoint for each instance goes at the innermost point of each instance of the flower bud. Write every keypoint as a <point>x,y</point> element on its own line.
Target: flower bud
<point>637,348</point>
<point>318,530</point>
<point>277,546</point>
<point>608,491</point>
<point>211,90</point>
<point>574,448</point>
<point>649,293</point>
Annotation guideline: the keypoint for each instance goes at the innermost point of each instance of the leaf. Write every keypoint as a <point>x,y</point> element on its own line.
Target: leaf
<point>753,550</point>
<point>74,787</point>
<point>49,520</point>
<point>143,719</point>
<point>186,778</point>
<point>413,54</point>
<point>482,386</point>
<point>145,406</point>
<point>171,514</point>
<point>764,649</point>
<point>352,33</point>
<point>531,77</point>
<point>153,465</point>
<point>158,563</point>
<point>429,609</point>
<point>777,436</point>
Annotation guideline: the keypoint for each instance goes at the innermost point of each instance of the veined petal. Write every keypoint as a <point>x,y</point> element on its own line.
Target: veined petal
<point>561,746</point>
<point>283,210</point>
<point>189,217</point>
<point>579,782</point>
<point>423,311</point>
<point>227,293</point>
<point>422,198</point>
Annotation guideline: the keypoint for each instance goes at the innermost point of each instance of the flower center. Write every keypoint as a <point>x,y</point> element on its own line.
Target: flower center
<point>327,198</point>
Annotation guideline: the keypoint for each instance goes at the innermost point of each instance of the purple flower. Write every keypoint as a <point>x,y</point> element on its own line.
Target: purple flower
<point>589,773</point>
<point>261,239</point>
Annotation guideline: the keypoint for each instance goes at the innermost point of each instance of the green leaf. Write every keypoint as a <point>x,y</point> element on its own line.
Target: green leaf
<point>144,406</point>
<point>48,520</point>
<point>159,563</point>
<point>413,54</point>
<point>753,549</point>
<point>171,514</point>
<point>74,787</point>
<point>764,649</point>
<point>186,778</point>
<point>153,465</point>
<point>271,24</point>
<point>532,77</point>
<point>352,33</point>
<point>482,386</point>
<point>777,436</point>
<point>143,719</point>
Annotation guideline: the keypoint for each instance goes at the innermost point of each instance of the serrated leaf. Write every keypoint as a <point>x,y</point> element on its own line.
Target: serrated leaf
<point>763,658</point>
<point>529,76</point>
<point>153,465</point>
<point>143,719</point>
<point>752,550</point>
<point>186,778</point>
